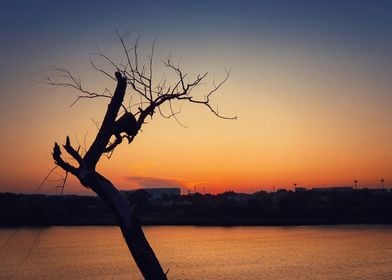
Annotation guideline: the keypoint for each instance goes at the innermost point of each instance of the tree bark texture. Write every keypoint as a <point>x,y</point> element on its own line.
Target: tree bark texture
<point>131,229</point>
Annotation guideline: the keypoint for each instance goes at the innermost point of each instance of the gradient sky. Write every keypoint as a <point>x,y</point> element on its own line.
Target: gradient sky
<point>311,85</point>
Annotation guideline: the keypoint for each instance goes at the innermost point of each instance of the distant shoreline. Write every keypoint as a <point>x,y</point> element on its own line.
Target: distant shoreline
<point>282,208</point>
<point>214,223</point>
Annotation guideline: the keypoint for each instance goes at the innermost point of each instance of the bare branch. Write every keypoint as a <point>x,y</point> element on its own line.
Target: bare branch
<point>62,186</point>
<point>107,59</point>
<point>105,132</point>
<point>151,67</point>
<point>70,150</point>
<point>101,70</point>
<point>84,146</point>
<point>46,178</point>
<point>206,102</point>
<point>176,113</point>
<point>138,73</point>
<point>60,162</point>
<point>134,77</point>
<point>64,78</point>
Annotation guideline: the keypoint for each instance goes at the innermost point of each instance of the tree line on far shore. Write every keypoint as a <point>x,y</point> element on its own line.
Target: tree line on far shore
<point>229,208</point>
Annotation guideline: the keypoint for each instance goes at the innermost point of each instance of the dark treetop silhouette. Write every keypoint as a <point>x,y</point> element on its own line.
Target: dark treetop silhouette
<point>138,78</point>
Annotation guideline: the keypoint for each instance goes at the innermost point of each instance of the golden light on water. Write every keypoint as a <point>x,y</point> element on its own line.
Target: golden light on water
<point>334,252</point>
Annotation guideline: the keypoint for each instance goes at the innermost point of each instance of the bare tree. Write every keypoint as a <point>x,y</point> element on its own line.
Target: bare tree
<point>140,97</point>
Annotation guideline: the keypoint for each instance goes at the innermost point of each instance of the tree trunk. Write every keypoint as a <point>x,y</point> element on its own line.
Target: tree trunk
<point>141,251</point>
<point>130,227</point>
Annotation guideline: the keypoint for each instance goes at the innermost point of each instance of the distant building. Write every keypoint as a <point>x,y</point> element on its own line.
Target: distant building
<point>299,189</point>
<point>159,193</point>
<point>336,189</point>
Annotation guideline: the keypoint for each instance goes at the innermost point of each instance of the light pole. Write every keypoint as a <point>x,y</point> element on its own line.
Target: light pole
<point>355,184</point>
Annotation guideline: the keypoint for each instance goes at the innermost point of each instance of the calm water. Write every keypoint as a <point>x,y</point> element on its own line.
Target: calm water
<point>327,252</point>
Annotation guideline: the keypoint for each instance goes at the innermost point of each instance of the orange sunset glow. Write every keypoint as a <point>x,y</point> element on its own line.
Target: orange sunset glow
<point>313,106</point>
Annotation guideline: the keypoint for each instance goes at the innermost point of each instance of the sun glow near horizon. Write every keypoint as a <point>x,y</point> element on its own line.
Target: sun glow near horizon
<point>312,100</point>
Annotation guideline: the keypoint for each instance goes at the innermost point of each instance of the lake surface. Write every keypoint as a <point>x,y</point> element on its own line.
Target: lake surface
<point>308,252</point>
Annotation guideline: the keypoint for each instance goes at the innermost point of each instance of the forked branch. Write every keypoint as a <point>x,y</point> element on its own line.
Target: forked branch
<point>140,95</point>
<point>136,98</point>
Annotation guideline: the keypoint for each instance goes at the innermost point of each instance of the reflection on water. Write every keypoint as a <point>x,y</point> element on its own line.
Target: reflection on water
<point>314,252</point>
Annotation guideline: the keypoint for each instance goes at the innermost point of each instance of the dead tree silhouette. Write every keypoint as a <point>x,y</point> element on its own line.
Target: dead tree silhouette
<point>134,78</point>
